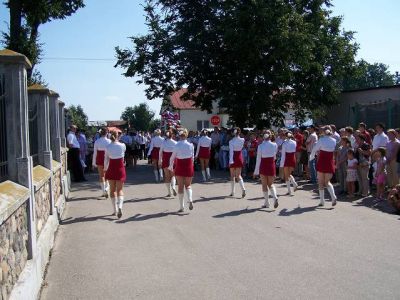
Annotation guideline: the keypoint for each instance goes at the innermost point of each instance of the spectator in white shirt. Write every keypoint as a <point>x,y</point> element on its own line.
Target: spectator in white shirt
<point>380,138</point>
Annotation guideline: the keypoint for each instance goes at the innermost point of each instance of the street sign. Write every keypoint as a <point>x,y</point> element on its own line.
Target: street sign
<point>215,120</point>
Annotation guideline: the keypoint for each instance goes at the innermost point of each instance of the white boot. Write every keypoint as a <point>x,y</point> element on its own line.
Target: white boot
<point>293,182</point>
<point>208,173</point>
<point>321,198</point>
<point>241,183</point>
<point>114,205</point>
<point>168,185</point>
<point>173,185</point>
<point>181,202</point>
<point>156,175</point>
<point>161,174</point>
<point>103,189</point>
<point>232,188</point>
<point>204,175</point>
<point>120,204</point>
<point>331,191</point>
<point>266,202</point>
<point>189,193</point>
<point>289,188</point>
<point>274,195</point>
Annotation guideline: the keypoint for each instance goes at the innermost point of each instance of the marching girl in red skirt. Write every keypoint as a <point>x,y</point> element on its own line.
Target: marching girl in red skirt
<point>236,161</point>
<point>115,172</point>
<point>154,153</point>
<point>266,168</point>
<point>288,161</point>
<point>182,157</point>
<point>203,154</point>
<point>326,146</point>
<point>166,149</point>
<point>98,159</point>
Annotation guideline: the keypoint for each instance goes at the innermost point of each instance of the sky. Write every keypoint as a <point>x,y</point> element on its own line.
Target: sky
<point>94,31</point>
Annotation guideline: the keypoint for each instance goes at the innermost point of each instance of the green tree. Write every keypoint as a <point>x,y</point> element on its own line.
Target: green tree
<point>25,18</point>
<point>139,116</point>
<point>258,58</point>
<point>366,75</point>
<point>78,117</point>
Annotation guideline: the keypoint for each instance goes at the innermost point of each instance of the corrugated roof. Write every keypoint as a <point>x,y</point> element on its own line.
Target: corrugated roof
<point>178,103</point>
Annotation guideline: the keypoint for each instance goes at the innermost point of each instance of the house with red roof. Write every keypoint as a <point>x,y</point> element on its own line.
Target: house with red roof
<point>192,117</point>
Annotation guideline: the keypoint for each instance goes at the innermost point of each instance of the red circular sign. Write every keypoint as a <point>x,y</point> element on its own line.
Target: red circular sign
<point>215,120</point>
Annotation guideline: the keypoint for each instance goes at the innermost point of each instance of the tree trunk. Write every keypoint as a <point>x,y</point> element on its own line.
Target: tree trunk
<point>15,24</point>
<point>33,41</point>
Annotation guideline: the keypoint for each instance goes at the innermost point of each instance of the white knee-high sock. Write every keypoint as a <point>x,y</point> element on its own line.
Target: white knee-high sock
<point>120,202</point>
<point>103,187</point>
<point>331,191</point>
<point>241,183</point>
<point>156,174</point>
<point>208,172</point>
<point>181,201</point>
<point>173,182</point>
<point>288,187</point>
<point>204,175</point>
<point>106,186</point>
<point>168,185</point>
<point>293,181</point>
<point>321,196</point>
<point>266,196</point>
<point>161,174</point>
<point>273,192</point>
<point>189,194</point>
<point>233,187</point>
<point>114,204</point>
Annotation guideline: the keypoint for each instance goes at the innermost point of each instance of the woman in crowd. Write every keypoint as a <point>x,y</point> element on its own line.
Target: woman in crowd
<point>100,146</point>
<point>265,167</point>
<point>326,146</point>
<point>304,155</point>
<point>166,149</point>
<point>363,155</point>
<point>154,153</point>
<point>288,161</point>
<point>115,172</point>
<point>341,163</point>
<point>182,157</point>
<point>236,161</point>
<point>351,178</point>
<point>203,154</point>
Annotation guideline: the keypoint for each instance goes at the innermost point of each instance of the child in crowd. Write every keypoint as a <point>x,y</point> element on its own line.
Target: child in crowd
<point>380,172</point>
<point>352,164</point>
<point>394,198</point>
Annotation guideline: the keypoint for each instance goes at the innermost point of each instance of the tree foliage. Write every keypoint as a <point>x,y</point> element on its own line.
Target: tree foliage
<point>78,116</point>
<point>140,117</point>
<point>25,18</point>
<point>258,58</point>
<point>366,75</point>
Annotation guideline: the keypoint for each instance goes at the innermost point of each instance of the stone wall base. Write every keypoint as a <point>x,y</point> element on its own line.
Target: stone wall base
<point>66,184</point>
<point>60,207</point>
<point>31,278</point>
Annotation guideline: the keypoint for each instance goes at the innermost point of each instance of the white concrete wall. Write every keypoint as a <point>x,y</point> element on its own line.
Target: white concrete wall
<point>189,118</point>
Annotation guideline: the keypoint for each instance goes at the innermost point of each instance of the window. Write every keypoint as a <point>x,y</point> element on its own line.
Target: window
<point>203,124</point>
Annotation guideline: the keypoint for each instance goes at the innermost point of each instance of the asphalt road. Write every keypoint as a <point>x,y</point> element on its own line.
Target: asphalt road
<point>226,248</point>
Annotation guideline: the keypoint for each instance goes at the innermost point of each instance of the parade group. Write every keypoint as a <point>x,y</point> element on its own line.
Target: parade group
<point>356,160</point>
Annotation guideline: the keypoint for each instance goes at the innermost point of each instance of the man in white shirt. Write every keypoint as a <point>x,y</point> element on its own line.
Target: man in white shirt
<point>310,143</point>
<point>380,139</point>
<point>141,140</point>
<point>74,161</point>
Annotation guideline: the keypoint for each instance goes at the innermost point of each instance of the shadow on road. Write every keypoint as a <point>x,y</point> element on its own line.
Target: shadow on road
<point>297,211</point>
<point>139,217</point>
<point>236,213</point>
<point>371,202</point>
<point>70,220</point>
<point>204,199</point>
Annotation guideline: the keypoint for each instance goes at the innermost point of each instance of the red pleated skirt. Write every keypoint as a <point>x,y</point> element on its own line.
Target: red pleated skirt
<point>116,170</point>
<point>155,152</point>
<point>184,167</point>
<point>325,162</point>
<point>100,158</point>
<point>267,166</point>
<point>165,159</point>
<point>290,160</point>
<point>237,160</point>
<point>204,153</point>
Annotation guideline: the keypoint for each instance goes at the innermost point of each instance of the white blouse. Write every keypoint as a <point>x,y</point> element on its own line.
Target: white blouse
<point>288,146</point>
<point>100,145</point>
<point>183,149</point>
<point>156,142</point>
<point>326,143</point>
<point>205,142</point>
<point>266,149</point>
<point>114,150</point>
<point>168,145</point>
<point>235,144</point>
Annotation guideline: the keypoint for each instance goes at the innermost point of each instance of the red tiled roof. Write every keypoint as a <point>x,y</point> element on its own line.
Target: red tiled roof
<point>178,103</point>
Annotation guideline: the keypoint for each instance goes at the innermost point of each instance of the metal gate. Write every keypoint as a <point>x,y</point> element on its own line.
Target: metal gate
<point>387,112</point>
<point>3,131</point>
<point>33,133</point>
